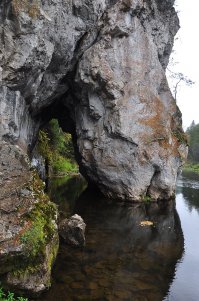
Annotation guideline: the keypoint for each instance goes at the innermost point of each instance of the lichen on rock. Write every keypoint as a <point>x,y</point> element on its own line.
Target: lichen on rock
<point>32,8</point>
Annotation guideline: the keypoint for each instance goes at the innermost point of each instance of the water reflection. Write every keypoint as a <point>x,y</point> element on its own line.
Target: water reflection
<point>188,179</point>
<point>65,191</point>
<point>185,285</point>
<point>121,260</point>
<point>188,185</point>
<point>191,197</point>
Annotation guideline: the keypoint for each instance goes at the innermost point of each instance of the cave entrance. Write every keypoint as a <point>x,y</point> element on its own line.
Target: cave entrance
<point>56,140</point>
<point>56,148</point>
<point>56,164</point>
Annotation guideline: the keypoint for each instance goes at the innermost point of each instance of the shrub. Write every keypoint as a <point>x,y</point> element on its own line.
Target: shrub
<point>56,148</point>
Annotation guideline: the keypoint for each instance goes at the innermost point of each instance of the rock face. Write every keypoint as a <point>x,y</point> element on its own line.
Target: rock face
<point>28,230</point>
<point>99,67</point>
<point>72,230</point>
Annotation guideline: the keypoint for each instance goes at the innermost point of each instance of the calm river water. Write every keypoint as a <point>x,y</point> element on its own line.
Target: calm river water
<point>122,260</point>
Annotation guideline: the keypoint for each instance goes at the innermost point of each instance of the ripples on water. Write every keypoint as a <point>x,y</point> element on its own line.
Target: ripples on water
<point>123,261</point>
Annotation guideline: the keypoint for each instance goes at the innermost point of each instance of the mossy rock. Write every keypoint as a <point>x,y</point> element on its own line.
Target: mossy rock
<point>35,277</point>
<point>38,242</point>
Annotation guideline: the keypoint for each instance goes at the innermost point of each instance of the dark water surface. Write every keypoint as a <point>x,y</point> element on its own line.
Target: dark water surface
<point>123,260</point>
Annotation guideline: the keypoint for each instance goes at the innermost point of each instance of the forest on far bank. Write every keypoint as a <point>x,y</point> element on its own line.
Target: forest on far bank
<point>193,154</point>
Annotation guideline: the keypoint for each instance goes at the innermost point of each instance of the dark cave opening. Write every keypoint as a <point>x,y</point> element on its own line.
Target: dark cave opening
<point>53,153</point>
<point>61,112</point>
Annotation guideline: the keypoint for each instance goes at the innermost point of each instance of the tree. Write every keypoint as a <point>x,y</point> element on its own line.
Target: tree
<point>191,126</point>
<point>193,134</point>
<point>177,78</point>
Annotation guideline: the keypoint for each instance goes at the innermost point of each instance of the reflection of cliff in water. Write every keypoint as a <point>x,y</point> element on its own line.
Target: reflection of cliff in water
<point>121,260</point>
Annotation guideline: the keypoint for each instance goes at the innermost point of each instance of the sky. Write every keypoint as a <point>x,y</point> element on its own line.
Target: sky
<point>186,56</point>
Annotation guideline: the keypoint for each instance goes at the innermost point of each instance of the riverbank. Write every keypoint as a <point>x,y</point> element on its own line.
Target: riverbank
<point>191,167</point>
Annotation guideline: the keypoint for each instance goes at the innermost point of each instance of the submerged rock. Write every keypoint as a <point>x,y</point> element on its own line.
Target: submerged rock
<point>72,230</point>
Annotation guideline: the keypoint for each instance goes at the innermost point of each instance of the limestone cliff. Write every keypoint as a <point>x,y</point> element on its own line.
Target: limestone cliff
<point>99,67</point>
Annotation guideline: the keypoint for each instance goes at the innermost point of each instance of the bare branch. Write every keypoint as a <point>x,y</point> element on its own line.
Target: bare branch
<point>177,78</point>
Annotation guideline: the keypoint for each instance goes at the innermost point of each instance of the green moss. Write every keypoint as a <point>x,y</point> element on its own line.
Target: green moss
<point>34,238</point>
<point>26,269</point>
<point>39,236</point>
<point>42,213</point>
<point>41,230</point>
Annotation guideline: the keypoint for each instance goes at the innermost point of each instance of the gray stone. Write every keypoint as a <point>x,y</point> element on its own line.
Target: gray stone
<point>72,230</point>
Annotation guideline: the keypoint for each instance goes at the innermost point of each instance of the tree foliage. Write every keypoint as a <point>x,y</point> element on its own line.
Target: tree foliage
<point>59,141</point>
<point>193,134</point>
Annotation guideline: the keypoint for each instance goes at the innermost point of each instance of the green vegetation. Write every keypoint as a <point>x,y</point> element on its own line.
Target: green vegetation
<point>10,296</point>
<point>40,227</point>
<point>147,199</point>
<point>39,234</point>
<point>191,167</point>
<point>193,136</point>
<point>64,165</point>
<point>44,146</point>
<point>34,238</point>
<point>193,154</point>
<point>57,149</point>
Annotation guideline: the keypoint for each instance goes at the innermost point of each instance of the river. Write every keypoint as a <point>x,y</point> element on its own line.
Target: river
<point>123,260</point>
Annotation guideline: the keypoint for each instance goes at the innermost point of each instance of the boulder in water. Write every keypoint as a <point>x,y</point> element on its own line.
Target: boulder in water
<point>72,230</point>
